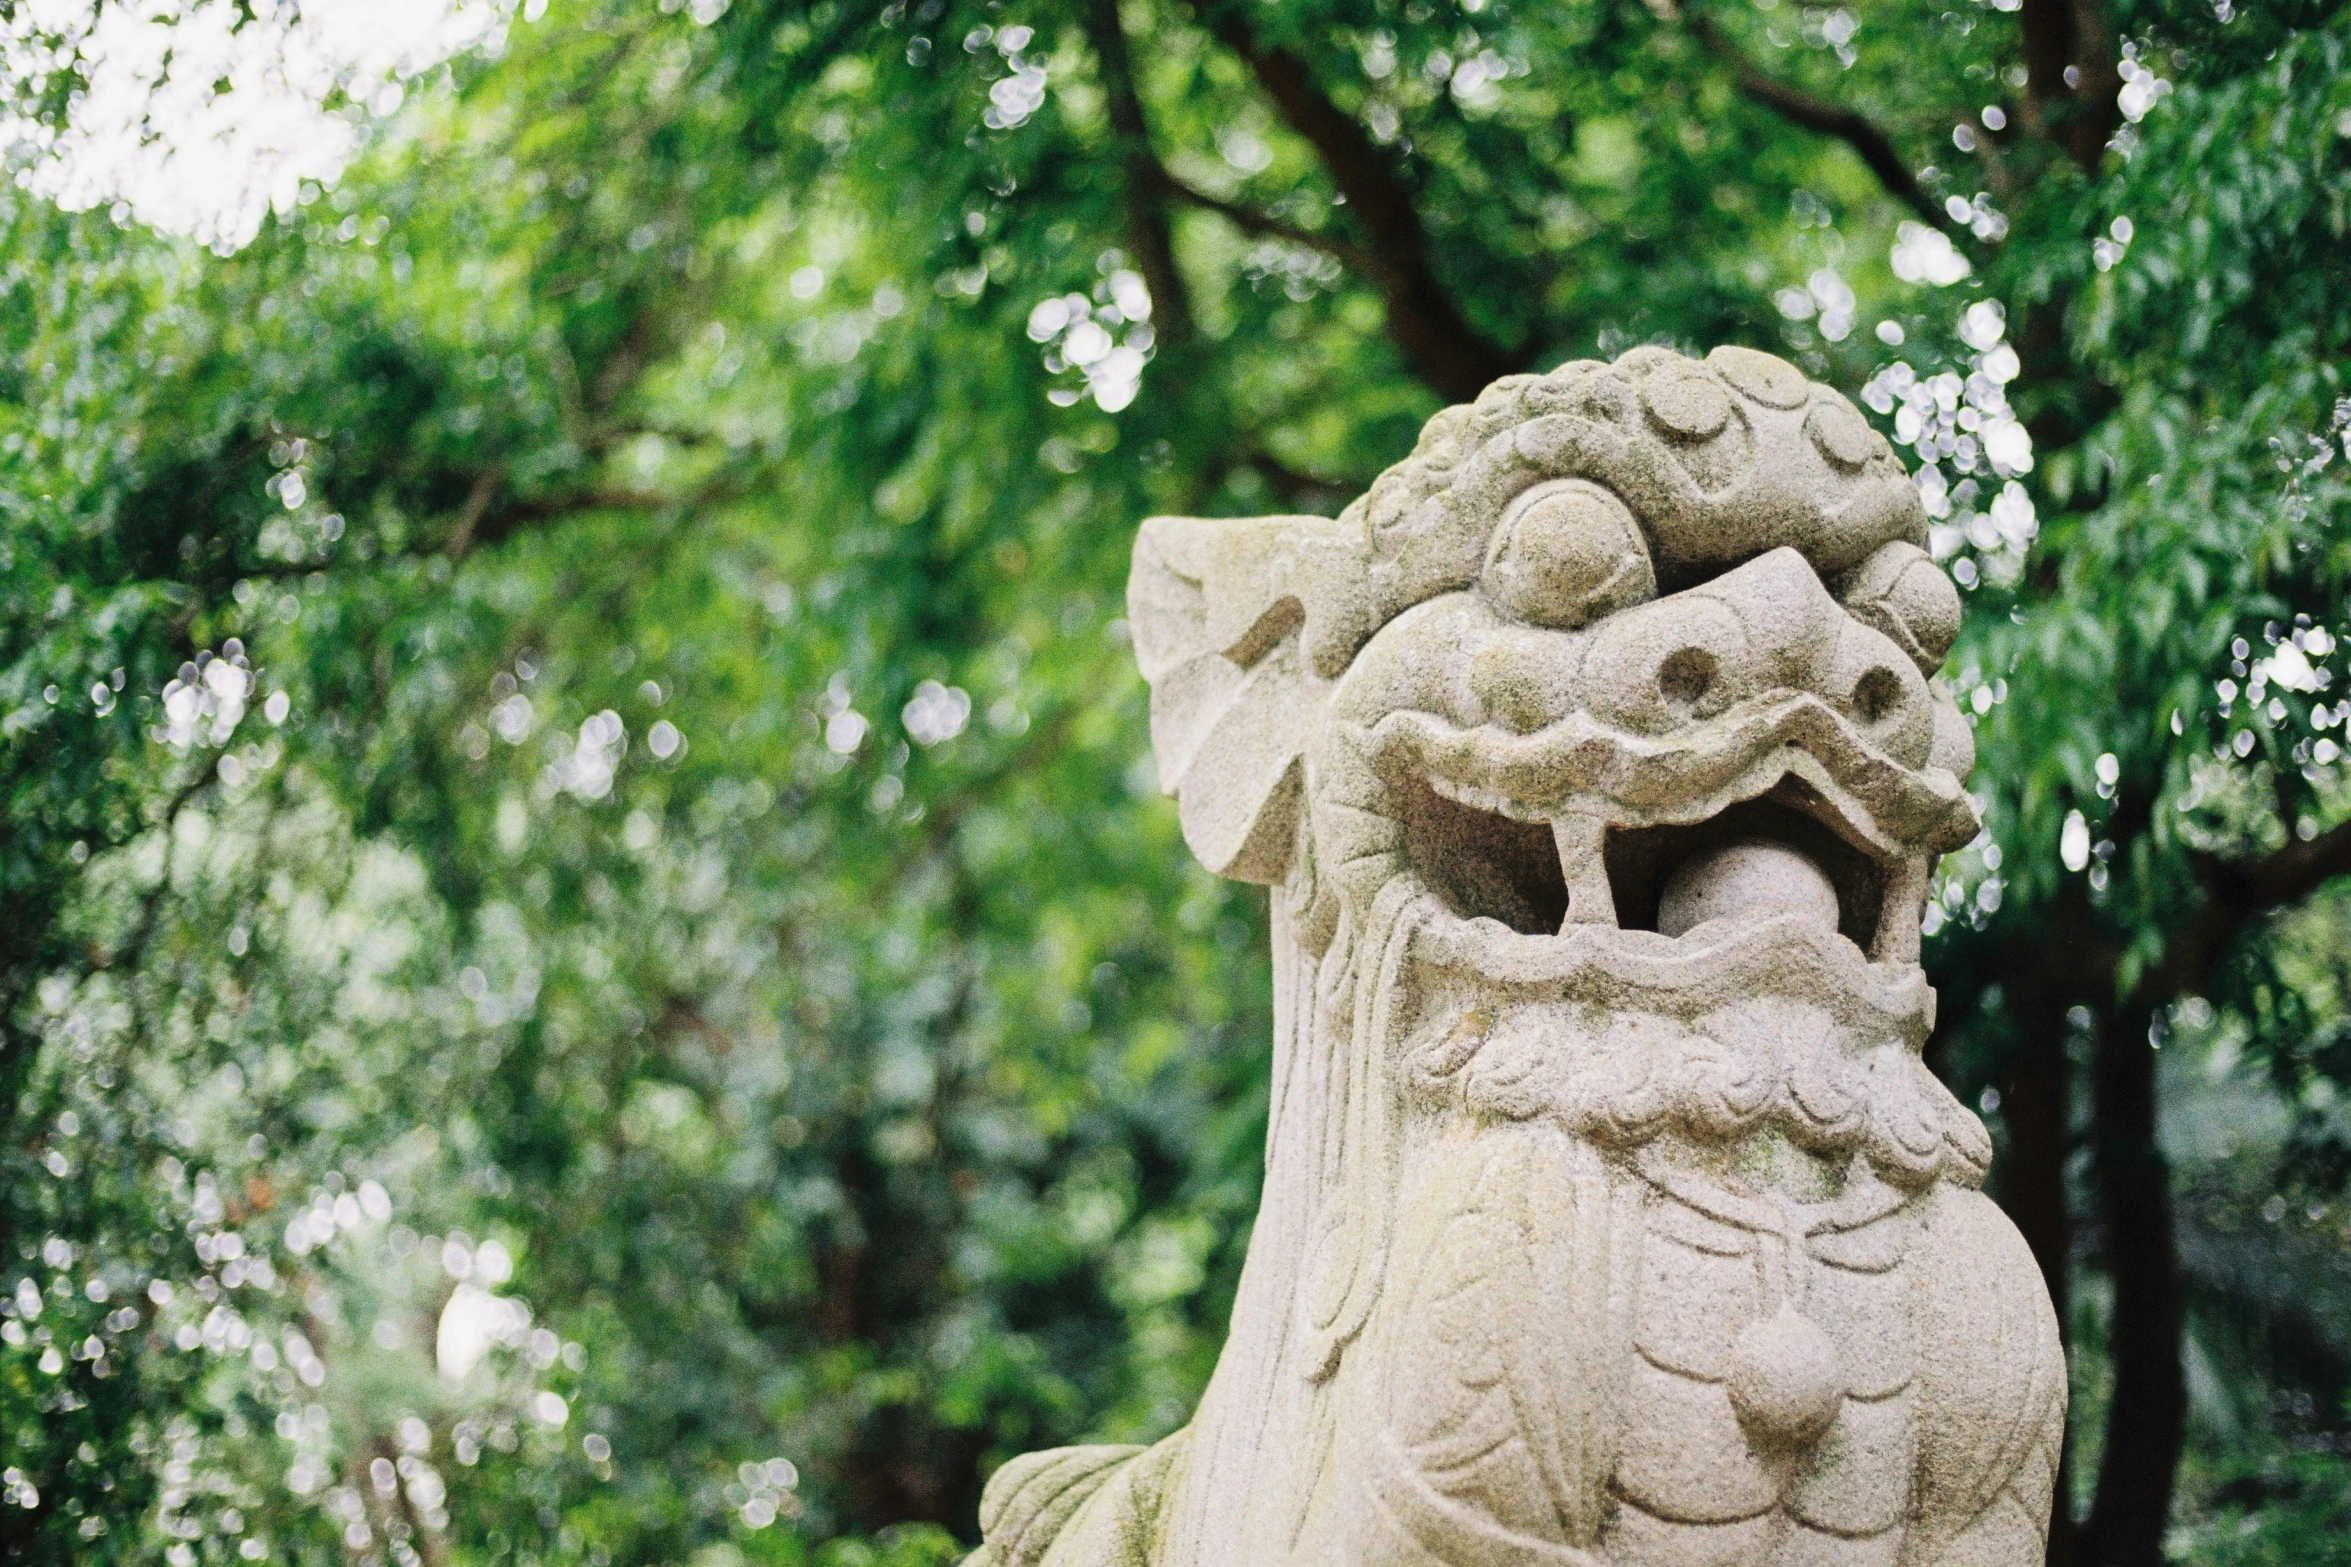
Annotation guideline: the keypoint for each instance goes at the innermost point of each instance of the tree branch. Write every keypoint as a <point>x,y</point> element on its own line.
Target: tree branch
<point>480,523</point>
<point>134,945</point>
<point>1437,341</point>
<point>2099,84</point>
<point>2235,893</point>
<point>502,522</point>
<point>2073,82</point>
<point>1145,185</point>
<point>1849,126</point>
<point>1250,220</point>
<point>477,502</point>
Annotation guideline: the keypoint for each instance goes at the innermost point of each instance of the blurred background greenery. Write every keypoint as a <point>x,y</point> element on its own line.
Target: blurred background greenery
<point>592,967</point>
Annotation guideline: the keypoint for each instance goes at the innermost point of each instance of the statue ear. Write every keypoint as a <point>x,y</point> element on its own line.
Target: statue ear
<point>1216,605</point>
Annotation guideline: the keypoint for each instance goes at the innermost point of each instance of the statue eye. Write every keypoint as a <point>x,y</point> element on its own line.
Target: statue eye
<point>1566,553</point>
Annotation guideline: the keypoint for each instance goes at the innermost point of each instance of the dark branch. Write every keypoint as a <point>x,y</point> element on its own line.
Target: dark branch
<point>2080,114</point>
<point>477,503</point>
<point>2047,28</point>
<point>1249,220</point>
<point>480,523</point>
<point>1849,126</point>
<point>1437,341</point>
<point>1145,182</point>
<point>502,522</point>
<point>2099,85</point>
<point>142,932</point>
<point>2236,893</point>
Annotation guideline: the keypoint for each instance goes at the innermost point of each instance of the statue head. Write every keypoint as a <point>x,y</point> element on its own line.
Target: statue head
<point>1596,760</point>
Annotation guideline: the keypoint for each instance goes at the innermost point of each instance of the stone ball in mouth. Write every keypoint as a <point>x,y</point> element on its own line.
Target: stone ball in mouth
<point>1748,880</point>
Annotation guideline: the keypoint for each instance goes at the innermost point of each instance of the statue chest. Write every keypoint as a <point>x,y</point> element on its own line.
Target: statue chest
<point>1654,1370</point>
<point>1766,1412</point>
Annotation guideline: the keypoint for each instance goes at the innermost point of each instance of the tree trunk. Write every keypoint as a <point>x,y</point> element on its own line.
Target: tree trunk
<point>2039,1105</point>
<point>2149,1411</point>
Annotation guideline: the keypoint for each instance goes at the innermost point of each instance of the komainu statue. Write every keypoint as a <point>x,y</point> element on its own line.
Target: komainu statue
<point>1595,764</point>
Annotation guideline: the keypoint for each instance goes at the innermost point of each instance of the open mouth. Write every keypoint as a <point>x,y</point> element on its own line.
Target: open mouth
<point>1789,850</point>
<point>1777,808</point>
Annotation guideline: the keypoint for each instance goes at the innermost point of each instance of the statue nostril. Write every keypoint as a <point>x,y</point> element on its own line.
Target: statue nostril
<point>1685,677</point>
<point>1876,695</point>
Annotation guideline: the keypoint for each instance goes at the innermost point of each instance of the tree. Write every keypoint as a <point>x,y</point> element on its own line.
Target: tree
<point>595,970</point>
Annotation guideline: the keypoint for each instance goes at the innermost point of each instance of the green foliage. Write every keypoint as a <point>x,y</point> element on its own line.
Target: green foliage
<point>594,968</point>
<point>2294,1510</point>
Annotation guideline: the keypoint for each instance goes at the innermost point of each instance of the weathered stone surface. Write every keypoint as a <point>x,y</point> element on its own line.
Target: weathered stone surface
<point>1610,1216</point>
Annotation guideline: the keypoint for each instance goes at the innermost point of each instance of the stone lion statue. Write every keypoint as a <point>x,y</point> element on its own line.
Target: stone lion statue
<point>1595,764</point>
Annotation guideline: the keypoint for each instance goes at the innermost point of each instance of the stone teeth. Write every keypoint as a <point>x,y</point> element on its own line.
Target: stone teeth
<point>1580,840</point>
<point>1902,906</point>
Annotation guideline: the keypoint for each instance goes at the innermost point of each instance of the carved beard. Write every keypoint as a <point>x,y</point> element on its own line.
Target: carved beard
<point>1770,1027</point>
<point>1502,1201</point>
